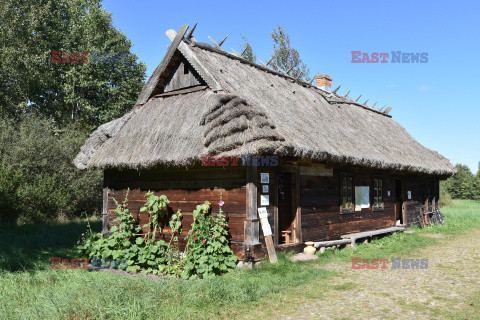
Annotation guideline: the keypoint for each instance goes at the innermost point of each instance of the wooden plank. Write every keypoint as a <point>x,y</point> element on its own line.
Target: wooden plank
<point>331,243</point>
<point>366,234</point>
<point>153,81</point>
<point>272,255</point>
<point>182,91</point>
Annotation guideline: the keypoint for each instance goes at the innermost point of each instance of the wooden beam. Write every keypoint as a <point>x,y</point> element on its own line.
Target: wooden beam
<point>182,91</point>
<point>387,110</point>
<point>298,213</point>
<point>365,103</point>
<point>358,98</point>
<point>236,53</point>
<point>215,44</point>
<point>105,205</point>
<point>263,64</point>
<point>243,51</point>
<point>271,59</point>
<point>222,41</point>
<point>251,233</point>
<point>335,91</point>
<point>190,33</point>
<point>152,82</point>
<point>291,68</point>
<point>347,93</point>
<point>374,104</point>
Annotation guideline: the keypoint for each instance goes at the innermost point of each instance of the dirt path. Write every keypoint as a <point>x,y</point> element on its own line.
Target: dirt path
<point>448,288</point>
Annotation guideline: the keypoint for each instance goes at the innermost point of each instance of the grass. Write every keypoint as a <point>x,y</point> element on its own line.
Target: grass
<point>29,289</point>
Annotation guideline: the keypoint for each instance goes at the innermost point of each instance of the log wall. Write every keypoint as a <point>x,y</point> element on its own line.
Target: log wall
<point>185,190</point>
<point>322,218</point>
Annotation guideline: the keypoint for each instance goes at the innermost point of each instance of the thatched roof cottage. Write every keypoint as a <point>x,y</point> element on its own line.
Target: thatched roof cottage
<point>325,166</point>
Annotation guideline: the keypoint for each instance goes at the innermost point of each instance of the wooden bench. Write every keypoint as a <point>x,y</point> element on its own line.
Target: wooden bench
<point>330,243</point>
<point>367,234</point>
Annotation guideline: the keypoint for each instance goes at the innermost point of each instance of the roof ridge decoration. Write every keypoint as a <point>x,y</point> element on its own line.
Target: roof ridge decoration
<point>182,43</point>
<point>283,74</point>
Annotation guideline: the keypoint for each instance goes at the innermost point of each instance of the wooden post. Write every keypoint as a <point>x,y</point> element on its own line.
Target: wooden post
<point>267,233</point>
<point>251,233</point>
<point>298,211</point>
<point>105,205</point>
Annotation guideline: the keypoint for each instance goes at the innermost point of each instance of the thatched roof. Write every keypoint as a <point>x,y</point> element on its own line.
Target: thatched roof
<point>252,109</point>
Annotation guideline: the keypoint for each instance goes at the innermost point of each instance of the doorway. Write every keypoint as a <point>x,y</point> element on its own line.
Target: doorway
<point>287,208</point>
<point>398,201</point>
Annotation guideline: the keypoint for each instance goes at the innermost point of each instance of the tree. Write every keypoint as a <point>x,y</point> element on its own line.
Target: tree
<point>461,184</point>
<point>247,50</point>
<point>476,185</point>
<point>286,57</point>
<point>91,93</point>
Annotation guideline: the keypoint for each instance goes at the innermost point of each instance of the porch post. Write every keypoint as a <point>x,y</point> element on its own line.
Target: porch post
<point>105,205</point>
<point>251,231</point>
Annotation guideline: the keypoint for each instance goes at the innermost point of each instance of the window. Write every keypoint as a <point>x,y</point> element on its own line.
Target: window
<point>377,194</point>
<point>347,194</point>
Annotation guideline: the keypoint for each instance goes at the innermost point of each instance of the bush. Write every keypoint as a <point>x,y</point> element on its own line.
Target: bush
<point>38,181</point>
<point>207,252</point>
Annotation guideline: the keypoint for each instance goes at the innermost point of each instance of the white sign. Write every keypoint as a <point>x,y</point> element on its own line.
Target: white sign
<point>265,188</point>
<point>409,194</point>
<point>388,193</point>
<point>264,178</point>
<point>264,200</point>
<point>262,213</point>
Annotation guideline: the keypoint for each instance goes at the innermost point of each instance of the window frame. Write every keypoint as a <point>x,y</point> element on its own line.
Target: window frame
<point>375,194</point>
<point>349,177</point>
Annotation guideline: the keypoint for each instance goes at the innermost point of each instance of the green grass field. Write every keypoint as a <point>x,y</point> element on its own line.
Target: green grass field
<point>30,289</point>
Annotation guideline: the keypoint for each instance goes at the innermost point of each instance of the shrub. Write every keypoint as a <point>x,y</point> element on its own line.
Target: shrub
<point>38,181</point>
<point>208,253</point>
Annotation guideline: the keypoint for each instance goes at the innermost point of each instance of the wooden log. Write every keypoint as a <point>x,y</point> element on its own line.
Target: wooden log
<point>251,224</point>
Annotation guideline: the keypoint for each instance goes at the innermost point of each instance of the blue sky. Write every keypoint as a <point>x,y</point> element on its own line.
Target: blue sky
<point>435,101</point>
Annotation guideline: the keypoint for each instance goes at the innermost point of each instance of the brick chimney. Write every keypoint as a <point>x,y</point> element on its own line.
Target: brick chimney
<point>324,82</point>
